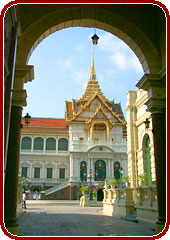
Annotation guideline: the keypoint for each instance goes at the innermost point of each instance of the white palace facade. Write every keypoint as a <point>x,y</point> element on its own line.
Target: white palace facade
<point>86,147</point>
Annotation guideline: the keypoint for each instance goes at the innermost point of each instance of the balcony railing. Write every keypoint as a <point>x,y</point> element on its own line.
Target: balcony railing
<point>77,145</point>
<point>47,181</point>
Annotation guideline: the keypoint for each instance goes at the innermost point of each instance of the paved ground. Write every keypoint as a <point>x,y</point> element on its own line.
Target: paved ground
<point>66,218</point>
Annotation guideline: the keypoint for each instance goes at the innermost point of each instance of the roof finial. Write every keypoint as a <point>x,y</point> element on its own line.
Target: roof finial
<point>92,74</point>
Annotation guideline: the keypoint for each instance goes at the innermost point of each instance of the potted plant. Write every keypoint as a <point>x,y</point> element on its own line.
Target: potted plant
<point>84,190</point>
<point>114,183</point>
<point>94,195</point>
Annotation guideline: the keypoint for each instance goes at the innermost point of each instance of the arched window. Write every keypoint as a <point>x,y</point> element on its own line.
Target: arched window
<point>51,144</point>
<point>147,160</point>
<point>26,143</point>
<point>117,170</point>
<point>83,171</point>
<point>63,144</point>
<point>100,170</point>
<point>38,143</point>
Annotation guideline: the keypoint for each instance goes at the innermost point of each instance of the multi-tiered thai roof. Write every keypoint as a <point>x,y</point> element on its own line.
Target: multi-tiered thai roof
<point>72,108</point>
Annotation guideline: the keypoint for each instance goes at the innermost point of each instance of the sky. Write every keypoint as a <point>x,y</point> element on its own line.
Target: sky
<point>62,66</point>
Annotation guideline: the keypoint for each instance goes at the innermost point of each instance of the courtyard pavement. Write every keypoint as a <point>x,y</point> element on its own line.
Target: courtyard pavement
<point>67,218</point>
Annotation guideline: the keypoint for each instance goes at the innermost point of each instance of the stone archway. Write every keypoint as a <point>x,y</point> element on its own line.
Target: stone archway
<point>128,27</point>
<point>142,27</point>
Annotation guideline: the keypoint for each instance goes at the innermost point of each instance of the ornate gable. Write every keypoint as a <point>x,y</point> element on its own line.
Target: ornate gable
<point>91,107</point>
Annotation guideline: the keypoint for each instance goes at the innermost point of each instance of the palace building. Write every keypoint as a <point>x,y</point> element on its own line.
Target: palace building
<point>89,145</point>
<point>85,148</point>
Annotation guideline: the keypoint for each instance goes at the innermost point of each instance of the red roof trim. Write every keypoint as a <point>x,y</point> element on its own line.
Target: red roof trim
<point>46,122</point>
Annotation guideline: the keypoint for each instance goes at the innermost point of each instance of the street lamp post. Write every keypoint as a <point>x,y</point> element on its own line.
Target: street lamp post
<point>121,172</point>
<point>90,192</point>
<point>84,174</point>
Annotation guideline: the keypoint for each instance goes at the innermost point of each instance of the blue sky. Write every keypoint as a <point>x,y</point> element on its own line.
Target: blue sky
<point>62,65</point>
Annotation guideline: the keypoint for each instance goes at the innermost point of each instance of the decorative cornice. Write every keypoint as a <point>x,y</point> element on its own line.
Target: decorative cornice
<point>24,73</point>
<point>155,85</point>
<point>150,80</point>
<point>156,105</point>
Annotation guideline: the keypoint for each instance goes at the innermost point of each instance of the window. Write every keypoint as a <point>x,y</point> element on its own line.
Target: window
<point>63,144</point>
<point>83,171</point>
<point>100,170</point>
<point>26,143</point>
<point>117,170</point>
<point>24,172</point>
<point>51,144</point>
<point>36,172</point>
<point>49,172</point>
<point>147,160</point>
<point>38,143</point>
<point>62,173</point>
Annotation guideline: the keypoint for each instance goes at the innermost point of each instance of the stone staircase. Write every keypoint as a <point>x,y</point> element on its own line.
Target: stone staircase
<point>56,188</point>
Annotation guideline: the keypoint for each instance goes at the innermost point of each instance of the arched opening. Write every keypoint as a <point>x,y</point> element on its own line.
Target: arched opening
<point>50,144</point>
<point>100,195</point>
<point>26,143</point>
<point>117,174</point>
<point>83,171</point>
<point>147,159</point>
<point>63,144</point>
<point>100,170</point>
<point>38,143</point>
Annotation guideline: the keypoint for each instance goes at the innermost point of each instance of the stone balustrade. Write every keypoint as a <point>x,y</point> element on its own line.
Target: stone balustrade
<point>146,205</point>
<point>146,196</point>
<point>118,201</point>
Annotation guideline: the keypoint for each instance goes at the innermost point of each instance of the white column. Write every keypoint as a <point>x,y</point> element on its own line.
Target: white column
<point>44,145</point>
<point>88,167</point>
<point>112,175</point>
<point>71,168</point>
<point>78,169</point>
<point>42,173</point>
<point>56,145</point>
<point>107,168</point>
<point>75,170</point>
<point>32,144</point>
<point>93,169</point>
<point>55,170</point>
<point>31,174</point>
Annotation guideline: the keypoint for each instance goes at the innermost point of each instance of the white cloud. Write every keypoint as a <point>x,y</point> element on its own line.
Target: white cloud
<point>110,43</point>
<point>121,55</point>
<point>79,48</point>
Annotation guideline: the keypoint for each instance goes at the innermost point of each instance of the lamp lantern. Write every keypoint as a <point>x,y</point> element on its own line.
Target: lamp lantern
<point>147,123</point>
<point>95,39</point>
<point>27,118</point>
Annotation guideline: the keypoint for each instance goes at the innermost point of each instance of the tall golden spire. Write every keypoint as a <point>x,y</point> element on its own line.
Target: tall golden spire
<point>92,86</point>
<point>92,74</point>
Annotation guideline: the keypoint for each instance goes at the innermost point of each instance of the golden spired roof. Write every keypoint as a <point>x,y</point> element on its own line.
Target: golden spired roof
<point>92,86</point>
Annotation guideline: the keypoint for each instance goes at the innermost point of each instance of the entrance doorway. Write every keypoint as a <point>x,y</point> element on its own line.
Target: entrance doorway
<point>100,195</point>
